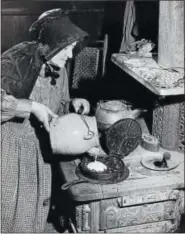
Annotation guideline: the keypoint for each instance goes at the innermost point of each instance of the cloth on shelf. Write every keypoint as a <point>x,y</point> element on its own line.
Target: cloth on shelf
<point>129,26</point>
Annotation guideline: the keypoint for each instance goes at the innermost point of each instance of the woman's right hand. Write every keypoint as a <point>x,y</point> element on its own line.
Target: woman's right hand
<point>43,114</point>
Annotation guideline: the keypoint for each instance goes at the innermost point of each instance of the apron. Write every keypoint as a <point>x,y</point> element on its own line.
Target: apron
<point>26,158</point>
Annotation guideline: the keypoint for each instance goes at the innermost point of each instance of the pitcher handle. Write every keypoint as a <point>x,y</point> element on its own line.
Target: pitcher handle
<point>90,133</point>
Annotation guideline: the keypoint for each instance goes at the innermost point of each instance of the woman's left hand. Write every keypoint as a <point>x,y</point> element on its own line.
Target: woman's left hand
<point>81,104</point>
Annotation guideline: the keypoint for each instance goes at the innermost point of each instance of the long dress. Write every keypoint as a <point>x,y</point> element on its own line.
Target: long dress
<point>26,157</point>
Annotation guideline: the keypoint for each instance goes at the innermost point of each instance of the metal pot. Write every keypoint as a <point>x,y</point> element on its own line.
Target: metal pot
<point>109,112</point>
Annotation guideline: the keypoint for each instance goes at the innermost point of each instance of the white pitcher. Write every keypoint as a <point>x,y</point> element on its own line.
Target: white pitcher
<point>74,134</point>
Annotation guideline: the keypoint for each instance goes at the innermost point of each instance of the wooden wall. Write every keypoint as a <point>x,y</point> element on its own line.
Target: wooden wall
<point>17,17</point>
<point>95,17</point>
<point>171,34</point>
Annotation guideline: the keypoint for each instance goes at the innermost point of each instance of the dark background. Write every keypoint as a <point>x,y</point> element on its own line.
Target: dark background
<point>95,17</point>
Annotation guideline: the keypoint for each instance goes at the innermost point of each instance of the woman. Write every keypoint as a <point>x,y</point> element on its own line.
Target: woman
<point>34,90</point>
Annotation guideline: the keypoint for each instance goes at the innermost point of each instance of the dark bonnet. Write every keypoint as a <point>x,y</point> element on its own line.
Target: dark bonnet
<point>57,31</point>
<point>21,64</point>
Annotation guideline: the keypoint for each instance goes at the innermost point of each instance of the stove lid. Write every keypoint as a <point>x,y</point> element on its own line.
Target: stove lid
<point>123,137</point>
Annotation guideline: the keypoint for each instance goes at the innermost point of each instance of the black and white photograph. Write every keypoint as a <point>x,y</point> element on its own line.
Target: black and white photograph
<point>92,116</point>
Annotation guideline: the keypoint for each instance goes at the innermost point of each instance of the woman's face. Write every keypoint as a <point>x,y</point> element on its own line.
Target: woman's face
<point>61,58</point>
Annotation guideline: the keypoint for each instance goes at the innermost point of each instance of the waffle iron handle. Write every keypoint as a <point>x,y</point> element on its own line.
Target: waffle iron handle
<point>71,183</point>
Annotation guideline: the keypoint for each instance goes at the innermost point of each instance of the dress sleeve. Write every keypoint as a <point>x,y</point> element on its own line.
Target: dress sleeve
<point>12,107</point>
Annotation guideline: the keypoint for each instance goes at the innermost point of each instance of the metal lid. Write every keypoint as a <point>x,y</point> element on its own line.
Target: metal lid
<point>123,137</point>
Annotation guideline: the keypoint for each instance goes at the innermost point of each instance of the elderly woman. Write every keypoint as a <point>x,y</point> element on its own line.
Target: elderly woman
<point>34,90</point>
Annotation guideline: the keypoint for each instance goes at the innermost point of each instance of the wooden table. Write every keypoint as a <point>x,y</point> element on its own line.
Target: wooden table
<point>146,201</point>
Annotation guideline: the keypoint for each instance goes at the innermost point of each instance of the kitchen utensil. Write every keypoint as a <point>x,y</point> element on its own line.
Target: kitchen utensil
<point>109,112</point>
<point>150,142</point>
<point>116,172</point>
<point>73,134</point>
<point>123,137</point>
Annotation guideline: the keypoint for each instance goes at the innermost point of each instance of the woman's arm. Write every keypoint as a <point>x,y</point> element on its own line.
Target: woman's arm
<point>12,107</point>
<point>21,108</point>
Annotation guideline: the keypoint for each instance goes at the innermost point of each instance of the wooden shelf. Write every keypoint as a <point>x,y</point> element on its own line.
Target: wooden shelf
<point>147,66</point>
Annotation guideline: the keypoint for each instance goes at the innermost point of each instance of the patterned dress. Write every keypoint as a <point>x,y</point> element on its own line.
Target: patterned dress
<point>26,157</point>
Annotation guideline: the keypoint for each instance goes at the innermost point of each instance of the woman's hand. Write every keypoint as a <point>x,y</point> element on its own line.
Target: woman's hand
<point>42,113</point>
<point>81,104</point>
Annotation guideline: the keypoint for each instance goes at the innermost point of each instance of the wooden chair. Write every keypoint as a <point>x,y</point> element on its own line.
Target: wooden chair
<point>89,68</point>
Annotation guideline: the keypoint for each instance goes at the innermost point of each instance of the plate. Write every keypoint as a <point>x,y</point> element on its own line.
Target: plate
<point>149,163</point>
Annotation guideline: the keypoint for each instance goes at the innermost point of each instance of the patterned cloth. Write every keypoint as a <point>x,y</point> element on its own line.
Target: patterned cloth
<point>85,66</point>
<point>26,152</point>
<point>26,157</point>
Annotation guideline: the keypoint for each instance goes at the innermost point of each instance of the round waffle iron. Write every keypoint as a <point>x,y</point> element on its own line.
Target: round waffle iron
<point>123,137</point>
<point>116,171</point>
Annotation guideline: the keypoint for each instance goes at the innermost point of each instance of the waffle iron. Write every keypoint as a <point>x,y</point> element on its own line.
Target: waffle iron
<point>121,139</point>
<point>116,171</point>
